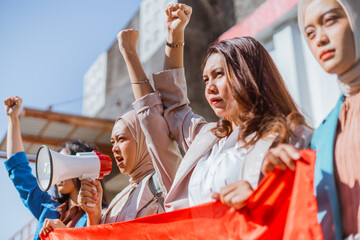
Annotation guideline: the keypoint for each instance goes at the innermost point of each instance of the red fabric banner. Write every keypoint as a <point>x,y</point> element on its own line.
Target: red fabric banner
<point>282,207</point>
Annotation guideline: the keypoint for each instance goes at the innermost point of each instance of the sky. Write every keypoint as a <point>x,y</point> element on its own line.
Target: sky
<point>46,47</point>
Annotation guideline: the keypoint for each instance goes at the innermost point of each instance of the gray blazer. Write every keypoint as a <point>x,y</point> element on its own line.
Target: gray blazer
<point>193,135</point>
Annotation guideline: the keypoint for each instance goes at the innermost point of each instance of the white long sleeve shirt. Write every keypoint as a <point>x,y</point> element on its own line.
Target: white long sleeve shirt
<point>221,166</point>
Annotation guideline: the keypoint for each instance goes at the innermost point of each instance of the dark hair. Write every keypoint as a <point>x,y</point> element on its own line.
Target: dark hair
<point>72,147</point>
<point>263,105</point>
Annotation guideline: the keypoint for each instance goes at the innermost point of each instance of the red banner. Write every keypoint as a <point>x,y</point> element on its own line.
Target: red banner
<point>282,207</point>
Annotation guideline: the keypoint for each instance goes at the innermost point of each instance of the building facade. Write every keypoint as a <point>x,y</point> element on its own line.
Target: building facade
<point>272,22</point>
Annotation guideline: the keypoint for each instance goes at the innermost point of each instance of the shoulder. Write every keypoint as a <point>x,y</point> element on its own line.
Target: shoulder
<point>334,112</point>
<point>328,125</point>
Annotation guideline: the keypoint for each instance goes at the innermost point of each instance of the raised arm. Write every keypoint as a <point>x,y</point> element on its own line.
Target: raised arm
<point>13,141</point>
<point>127,40</point>
<point>17,164</point>
<point>163,150</point>
<point>178,16</point>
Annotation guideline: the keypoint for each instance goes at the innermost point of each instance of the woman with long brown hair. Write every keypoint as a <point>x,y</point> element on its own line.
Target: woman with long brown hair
<point>244,88</point>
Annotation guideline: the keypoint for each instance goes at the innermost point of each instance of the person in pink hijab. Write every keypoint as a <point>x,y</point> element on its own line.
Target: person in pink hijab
<point>331,29</point>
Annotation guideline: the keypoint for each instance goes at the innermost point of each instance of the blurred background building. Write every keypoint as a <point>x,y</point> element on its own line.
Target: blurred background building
<point>107,92</point>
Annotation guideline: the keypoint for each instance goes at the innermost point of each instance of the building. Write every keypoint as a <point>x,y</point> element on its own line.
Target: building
<point>272,22</point>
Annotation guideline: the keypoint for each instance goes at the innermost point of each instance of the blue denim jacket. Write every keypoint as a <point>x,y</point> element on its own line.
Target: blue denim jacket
<point>38,202</point>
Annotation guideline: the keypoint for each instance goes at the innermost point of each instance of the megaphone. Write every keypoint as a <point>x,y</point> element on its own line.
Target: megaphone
<point>53,167</point>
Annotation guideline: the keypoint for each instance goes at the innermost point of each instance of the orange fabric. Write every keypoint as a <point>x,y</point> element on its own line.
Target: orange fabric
<point>266,216</point>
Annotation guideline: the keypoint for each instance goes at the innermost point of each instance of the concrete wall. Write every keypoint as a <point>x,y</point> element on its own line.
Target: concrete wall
<point>209,20</point>
<point>314,91</point>
<point>118,90</point>
<point>94,87</point>
<point>244,7</point>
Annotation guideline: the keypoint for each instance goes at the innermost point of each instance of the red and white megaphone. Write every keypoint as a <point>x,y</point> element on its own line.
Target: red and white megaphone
<point>53,167</point>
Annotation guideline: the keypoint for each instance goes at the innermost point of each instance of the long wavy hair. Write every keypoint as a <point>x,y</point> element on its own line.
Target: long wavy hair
<point>263,105</point>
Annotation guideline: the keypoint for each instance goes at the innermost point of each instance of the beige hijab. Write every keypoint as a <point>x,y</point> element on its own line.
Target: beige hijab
<point>349,81</point>
<point>143,164</point>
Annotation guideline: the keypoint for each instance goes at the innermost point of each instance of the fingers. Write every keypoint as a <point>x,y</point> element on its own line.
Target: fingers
<point>178,11</point>
<point>56,223</point>
<point>215,195</point>
<point>235,194</point>
<point>11,101</point>
<point>87,193</point>
<point>87,187</point>
<point>84,201</point>
<point>181,15</point>
<point>47,228</point>
<point>275,161</point>
<point>128,34</point>
<point>98,186</point>
<point>282,156</point>
<point>50,225</point>
<point>127,40</point>
<point>12,105</point>
<point>168,12</point>
<point>187,10</point>
<point>90,196</point>
<point>18,100</point>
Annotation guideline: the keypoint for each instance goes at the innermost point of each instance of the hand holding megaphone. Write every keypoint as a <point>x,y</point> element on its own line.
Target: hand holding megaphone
<point>90,197</point>
<point>53,167</point>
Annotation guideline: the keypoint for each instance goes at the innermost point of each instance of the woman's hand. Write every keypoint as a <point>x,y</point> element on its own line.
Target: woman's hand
<point>51,224</point>
<point>12,106</point>
<point>234,195</point>
<point>282,156</point>
<point>178,16</point>
<point>127,40</point>
<point>90,192</point>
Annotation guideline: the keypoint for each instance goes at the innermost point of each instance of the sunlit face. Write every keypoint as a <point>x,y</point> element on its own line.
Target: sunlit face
<point>217,92</point>
<point>329,35</point>
<point>66,186</point>
<point>124,147</point>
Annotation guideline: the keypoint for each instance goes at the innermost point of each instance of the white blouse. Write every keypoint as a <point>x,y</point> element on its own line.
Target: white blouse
<point>221,166</point>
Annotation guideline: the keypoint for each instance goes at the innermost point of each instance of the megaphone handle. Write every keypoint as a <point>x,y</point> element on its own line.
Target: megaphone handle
<point>91,204</point>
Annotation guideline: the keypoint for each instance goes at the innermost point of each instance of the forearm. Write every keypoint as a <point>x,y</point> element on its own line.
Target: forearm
<point>14,140</point>
<point>93,219</point>
<point>174,56</point>
<point>137,75</point>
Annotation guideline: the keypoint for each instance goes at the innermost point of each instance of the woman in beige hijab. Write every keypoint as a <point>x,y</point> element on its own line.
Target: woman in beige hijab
<point>332,31</point>
<point>141,197</point>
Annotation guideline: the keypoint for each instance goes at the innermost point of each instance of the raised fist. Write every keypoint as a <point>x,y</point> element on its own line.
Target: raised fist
<point>12,105</point>
<point>178,16</point>
<point>127,40</point>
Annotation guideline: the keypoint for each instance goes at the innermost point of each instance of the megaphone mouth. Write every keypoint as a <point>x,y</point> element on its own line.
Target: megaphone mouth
<point>46,167</point>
